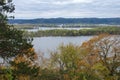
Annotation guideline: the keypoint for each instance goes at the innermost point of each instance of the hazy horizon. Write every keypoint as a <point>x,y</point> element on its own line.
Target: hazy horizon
<point>68,18</point>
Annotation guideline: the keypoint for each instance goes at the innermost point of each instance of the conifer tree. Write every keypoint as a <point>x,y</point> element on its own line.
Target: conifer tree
<point>15,49</point>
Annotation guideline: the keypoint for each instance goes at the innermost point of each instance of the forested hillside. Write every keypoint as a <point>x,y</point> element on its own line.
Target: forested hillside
<point>112,21</point>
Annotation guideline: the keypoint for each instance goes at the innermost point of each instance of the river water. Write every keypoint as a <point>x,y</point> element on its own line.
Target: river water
<point>47,44</point>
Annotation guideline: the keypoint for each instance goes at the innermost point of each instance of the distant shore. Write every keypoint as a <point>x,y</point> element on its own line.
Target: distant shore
<point>81,32</point>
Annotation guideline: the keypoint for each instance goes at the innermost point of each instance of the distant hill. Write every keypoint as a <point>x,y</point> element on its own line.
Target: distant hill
<point>113,21</point>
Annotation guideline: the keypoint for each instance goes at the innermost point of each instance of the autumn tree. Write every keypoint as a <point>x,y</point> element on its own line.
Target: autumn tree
<point>103,55</point>
<point>71,64</point>
<point>96,59</point>
<point>109,54</point>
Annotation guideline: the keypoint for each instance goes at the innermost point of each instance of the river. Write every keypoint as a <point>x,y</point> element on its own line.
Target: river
<point>47,44</point>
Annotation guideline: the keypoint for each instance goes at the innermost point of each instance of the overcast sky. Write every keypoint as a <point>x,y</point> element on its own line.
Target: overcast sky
<point>29,9</point>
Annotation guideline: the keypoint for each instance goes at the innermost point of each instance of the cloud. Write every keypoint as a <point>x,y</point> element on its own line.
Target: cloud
<point>66,8</point>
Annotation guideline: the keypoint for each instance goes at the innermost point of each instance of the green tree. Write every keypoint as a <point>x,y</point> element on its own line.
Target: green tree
<point>66,60</point>
<point>12,41</point>
<point>6,33</point>
<point>14,46</point>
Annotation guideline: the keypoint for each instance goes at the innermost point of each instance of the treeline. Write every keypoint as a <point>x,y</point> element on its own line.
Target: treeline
<point>82,32</point>
<point>66,21</point>
<point>33,26</point>
<point>36,26</point>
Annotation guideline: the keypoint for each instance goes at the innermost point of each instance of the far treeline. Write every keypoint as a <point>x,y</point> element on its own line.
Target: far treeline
<point>66,21</point>
<point>81,32</point>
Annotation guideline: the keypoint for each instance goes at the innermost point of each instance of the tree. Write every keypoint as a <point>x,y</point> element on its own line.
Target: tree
<point>109,54</point>
<point>6,6</point>
<point>25,67</point>
<point>12,41</point>
<point>15,49</point>
<point>103,55</point>
<point>96,59</point>
<point>70,60</point>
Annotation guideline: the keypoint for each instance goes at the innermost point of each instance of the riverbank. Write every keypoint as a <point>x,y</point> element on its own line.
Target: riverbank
<point>81,32</point>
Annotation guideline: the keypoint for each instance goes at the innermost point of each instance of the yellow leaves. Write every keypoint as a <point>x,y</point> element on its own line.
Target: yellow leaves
<point>35,56</point>
<point>112,78</point>
<point>66,77</point>
<point>2,67</point>
<point>31,49</point>
<point>31,54</point>
<point>99,67</point>
<point>19,59</point>
<point>101,54</point>
<point>90,47</point>
<point>101,36</point>
<point>23,77</point>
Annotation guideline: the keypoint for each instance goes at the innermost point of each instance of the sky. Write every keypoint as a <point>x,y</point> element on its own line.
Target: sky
<point>30,9</point>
